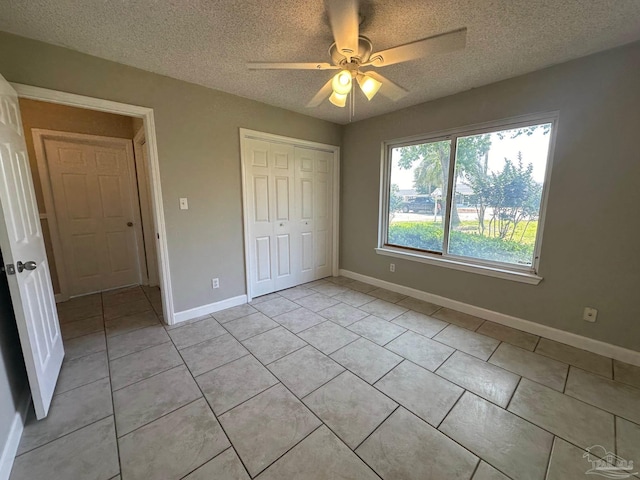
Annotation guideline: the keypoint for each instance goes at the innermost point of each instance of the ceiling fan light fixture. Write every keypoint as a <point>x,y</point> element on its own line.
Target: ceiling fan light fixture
<point>341,83</point>
<point>338,99</point>
<point>368,85</point>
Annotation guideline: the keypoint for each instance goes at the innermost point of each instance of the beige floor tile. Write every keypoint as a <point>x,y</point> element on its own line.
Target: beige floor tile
<point>535,367</point>
<point>317,302</point>
<point>305,370</point>
<point>226,466</point>
<point>387,295</point>
<point>509,443</point>
<point>69,411</point>
<point>143,364</point>
<point>75,312</point>
<point>148,400</point>
<point>366,359</point>
<point>575,356</point>
<point>460,319</point>
<point>232,313</point>
<point>135,341</point>
<point>276,306</point>
<point>617,398</point>
<point>250,326</point>
<point>350,407</point>
<point>320,456</point>
<point>343,314</point>
<point>174,445</point>
<point>78,328</point>
<point>411,386</point>
<point>340,280</point>
<point>299,319</point>
<point>267,426</point>
<point>329,289</point>
<point>376,329</point>
<point>625,373</point>
<point>420,323</point>
<point>567,462</point>
<point>484,379</point>
<point>566,417</point>
<point>127,295</point>
<point>359,286</point>
<point>420,350</point>
<point>129,323</point>
<point>487,472</point>
<point>628,441</point>
<point>85,345</point>
<point>89,453</point>
<point>120,310</point>
<point>328,337</point>
<point>264,298</point>
<point>382,309</point>
<point>295,293</point>
<point>231,384</point>
<point>81,371</point>
<point>405,447</point>
<point>196,332</point>
<point>479,346</point>
<point>274,344</point>
<point>419,306</point>
<point>354,298</point>
<point>212,353</point>
<point>510,335</point>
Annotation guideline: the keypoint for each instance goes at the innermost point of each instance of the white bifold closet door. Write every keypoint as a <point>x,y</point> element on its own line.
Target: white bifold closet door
<point>289,196</point>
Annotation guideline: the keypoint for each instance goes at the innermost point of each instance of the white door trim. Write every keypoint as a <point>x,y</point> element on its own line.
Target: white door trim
<point>246,134</point>
<point>39,137</point>
<point>146,114</point>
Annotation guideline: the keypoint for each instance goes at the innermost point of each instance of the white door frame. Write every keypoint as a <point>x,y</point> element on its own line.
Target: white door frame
<point>146,114</point>
<point>246,134</point>
<point>39,137</point>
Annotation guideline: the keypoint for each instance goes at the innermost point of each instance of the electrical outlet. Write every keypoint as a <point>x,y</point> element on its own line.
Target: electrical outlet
<point>392,267</point>
<point>590,314</point>
<point>215,283</point>
<point>184,204</point>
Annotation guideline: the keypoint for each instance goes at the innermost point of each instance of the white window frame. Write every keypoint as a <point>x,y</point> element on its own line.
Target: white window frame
<point>526,274</point>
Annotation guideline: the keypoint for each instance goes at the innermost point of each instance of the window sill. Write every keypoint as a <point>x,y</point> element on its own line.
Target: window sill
<point>514,276</point>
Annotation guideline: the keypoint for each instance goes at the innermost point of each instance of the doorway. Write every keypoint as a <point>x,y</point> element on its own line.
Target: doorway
<point>138,252</point>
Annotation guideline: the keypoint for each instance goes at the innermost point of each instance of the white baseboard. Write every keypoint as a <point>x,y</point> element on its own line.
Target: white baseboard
<point>585,343</point>
<point>185,315</point>
<point>10,449</point>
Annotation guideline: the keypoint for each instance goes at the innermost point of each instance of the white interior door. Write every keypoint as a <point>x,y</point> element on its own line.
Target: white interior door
<point>23,249</point>
<point>95,198</point>
<point>269,183</point>
<point>288,214</point>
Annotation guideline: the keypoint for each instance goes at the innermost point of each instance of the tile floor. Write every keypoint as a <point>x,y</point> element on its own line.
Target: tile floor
<point>332,379</point>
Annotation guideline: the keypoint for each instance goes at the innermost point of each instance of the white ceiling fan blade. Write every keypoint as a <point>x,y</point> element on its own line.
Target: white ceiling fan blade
<point>389,89</point>
<point>444,43</point>
<point>290,66</point>
<point>322,94</point>
<point>345,24</point>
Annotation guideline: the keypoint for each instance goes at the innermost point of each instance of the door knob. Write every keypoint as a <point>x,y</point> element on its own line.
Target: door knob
<point>129,224</point>
<point>26,266</point>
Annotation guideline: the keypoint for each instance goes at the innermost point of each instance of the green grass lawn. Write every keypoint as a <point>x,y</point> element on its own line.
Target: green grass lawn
<point>529,237</point>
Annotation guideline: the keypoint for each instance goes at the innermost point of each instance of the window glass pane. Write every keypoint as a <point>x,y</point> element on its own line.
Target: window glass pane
<point>497,194</point>
<point>417,195</point>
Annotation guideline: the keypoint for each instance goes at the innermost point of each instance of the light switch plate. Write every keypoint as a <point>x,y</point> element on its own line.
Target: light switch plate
<point>184,204</point>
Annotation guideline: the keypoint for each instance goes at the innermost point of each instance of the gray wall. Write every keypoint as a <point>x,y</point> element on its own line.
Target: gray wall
<point>590,251</point>
<point>199,152</point>
<point>13,377</point>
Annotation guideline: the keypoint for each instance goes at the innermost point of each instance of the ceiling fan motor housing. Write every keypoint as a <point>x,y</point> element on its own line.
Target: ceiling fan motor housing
<point>364,52</point>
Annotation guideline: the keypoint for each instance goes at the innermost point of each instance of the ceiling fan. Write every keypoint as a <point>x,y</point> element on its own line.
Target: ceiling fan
<point>352,52</point>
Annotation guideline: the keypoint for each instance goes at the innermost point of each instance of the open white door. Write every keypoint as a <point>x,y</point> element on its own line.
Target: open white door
<point>25,259</point>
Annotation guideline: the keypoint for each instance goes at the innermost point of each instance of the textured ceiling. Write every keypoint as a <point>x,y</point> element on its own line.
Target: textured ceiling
<point>208,42</point>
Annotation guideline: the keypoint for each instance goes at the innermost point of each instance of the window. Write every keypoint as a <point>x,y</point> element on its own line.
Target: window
<point>471,197</point>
